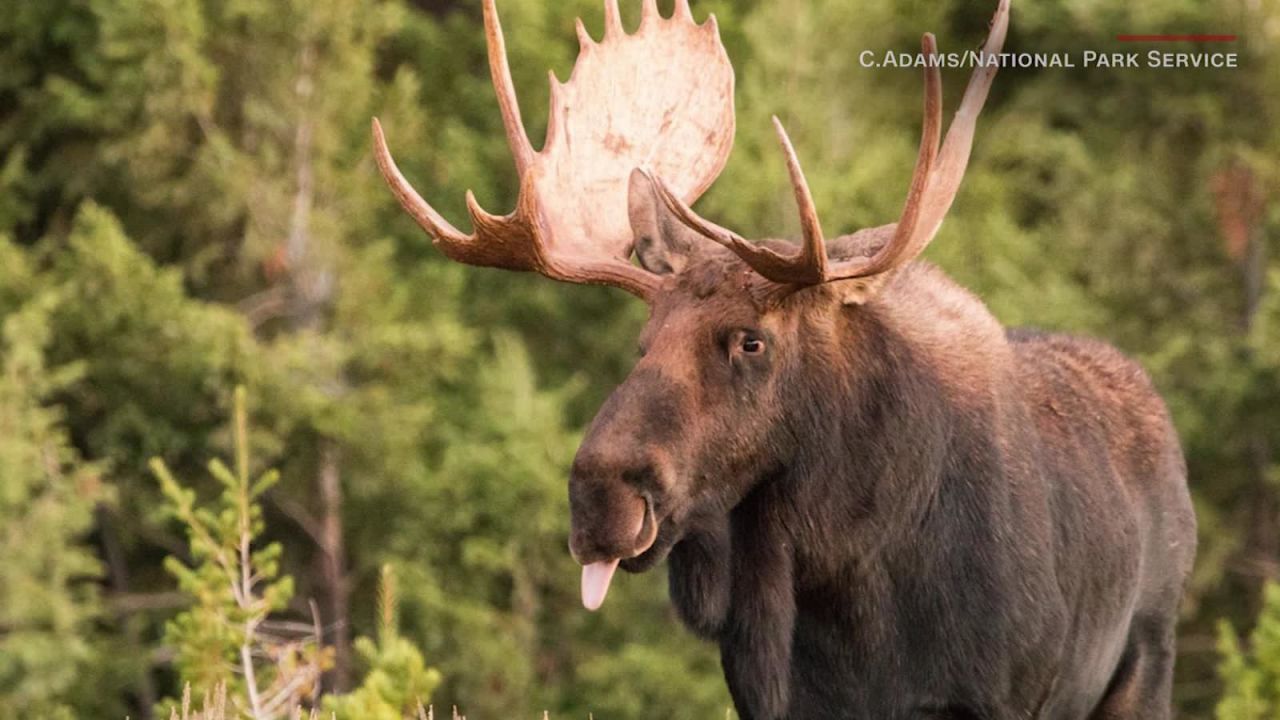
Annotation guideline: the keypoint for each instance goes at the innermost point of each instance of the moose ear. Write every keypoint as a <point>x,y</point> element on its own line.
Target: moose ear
<point>662,242</point>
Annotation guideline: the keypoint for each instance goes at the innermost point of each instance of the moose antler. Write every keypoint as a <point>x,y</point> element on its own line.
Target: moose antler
<point>660,98</point>
<point>934,184</point>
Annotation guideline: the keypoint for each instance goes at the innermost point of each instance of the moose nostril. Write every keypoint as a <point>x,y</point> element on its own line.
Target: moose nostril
<point>608,526</point>
<point>642,473</point>
<point>644,478</point>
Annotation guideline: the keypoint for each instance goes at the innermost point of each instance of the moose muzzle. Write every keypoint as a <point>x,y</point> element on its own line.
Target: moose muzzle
<point>611,520</point>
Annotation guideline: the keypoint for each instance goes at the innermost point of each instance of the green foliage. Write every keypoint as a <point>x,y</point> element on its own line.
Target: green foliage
<point>398,681</point>
<point>223,639</point>
<point>1251,675</point>
<point>227,643</point>
<point>48,600</point>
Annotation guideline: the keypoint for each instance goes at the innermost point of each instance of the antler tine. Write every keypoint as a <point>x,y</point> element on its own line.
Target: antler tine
<point>813,253</point>
<point>954,158</point>
<point>682,10</point>
<point>500,70</point>
<point>696,222</point>
<point>555,112</point>
<point>648,12</point>
<point>805,267</point>
<point>938,172</point>
<point>585,42</point>
<point>808,266</point>
<point>769,263</point>
<point>898,246</point>
<point>612,20</point>
<point>430,220</point>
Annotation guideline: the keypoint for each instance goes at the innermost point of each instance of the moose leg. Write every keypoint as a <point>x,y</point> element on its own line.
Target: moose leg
<point>698,579</point>
<point>755,648</point>
<point>1141,686</point>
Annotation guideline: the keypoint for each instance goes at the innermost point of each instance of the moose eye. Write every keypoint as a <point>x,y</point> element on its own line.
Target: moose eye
<point>742,343</point>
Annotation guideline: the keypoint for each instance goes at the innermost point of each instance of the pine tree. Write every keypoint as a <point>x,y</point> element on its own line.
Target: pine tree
<point>48,598</point>
<point>1251,674</point>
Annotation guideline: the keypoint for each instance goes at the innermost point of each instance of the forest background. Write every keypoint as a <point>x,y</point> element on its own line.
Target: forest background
<point>188,204</point>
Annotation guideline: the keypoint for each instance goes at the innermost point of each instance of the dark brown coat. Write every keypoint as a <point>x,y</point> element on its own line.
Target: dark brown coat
<point>896,509</point>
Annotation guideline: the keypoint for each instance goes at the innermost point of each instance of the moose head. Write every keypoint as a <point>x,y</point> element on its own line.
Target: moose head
<point>738,331</point>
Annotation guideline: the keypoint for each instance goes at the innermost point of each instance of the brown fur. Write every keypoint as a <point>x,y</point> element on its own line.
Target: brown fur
<point>897,509</point>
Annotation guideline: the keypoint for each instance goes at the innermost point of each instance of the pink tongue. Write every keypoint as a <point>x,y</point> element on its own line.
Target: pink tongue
<point>595,582</point>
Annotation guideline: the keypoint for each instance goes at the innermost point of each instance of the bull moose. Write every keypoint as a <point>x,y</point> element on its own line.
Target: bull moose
<point>878,501</point>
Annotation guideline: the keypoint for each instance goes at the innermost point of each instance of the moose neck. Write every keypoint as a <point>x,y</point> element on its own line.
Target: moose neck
<point>900,394</point>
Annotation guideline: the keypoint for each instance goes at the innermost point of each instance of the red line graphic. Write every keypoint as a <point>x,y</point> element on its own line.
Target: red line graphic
<point>1176,38</point>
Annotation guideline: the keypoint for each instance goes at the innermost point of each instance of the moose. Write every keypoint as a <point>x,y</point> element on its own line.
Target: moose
<point>878,501</point>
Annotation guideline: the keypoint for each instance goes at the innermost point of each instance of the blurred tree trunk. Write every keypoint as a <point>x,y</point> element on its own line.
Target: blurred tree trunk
<point>1263,544</point>
<point>118,576</point>
<point>1240,205</point>
<point>335,563</point>
<point>311,292</point>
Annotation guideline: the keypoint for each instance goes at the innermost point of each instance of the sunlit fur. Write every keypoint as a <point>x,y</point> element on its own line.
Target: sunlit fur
<point>900,509</point>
